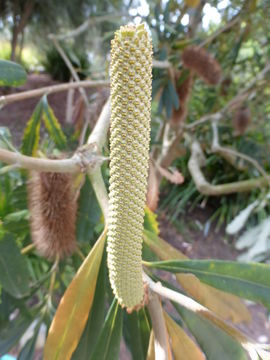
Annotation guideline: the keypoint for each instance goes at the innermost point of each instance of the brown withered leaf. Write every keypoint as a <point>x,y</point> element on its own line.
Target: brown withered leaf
<point>182,345</point>
<point>227,306</point>
<point>72,312</point>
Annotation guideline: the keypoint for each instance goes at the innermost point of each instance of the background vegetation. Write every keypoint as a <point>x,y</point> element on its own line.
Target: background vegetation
<point>221,128</point>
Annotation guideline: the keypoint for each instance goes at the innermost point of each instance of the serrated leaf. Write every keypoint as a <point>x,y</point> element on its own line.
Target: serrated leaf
<point>214,342</point>
<point>31,133</point>
<point>95,320</point>
<point>14,273</point>
<point>72,312</point>
<point>11,74</point>
<point>11,333</point>
<point>52,125</point>
<point>108,345</point>
<point>247,280</point>
<point>182,345</point>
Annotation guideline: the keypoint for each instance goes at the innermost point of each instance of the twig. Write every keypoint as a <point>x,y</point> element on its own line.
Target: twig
<point>91,21</point>
<point>159,327</point>
<point>98,138</point>
<point>194,306</point>
<point>8,99</point>
<point>217,148</point>
<point>70,66</point>
<point>27,249</point>
<point>161,64</point>
<point>82,159</point>
<point>197,160</point>
<point>236,99</point>
<point>228,25</point>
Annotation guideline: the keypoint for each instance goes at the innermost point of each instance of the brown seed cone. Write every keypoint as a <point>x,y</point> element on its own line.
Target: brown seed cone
<point>241,120</point>
<point>183,92</point>
<point>202,63</point>
<point>53,206</point>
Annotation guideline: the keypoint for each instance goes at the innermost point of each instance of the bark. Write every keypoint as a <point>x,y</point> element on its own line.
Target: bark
<point>19,22</point>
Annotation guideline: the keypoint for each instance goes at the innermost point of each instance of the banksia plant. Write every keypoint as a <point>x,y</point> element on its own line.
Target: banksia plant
<point>53,206</point>
<point>202,63</point>
<point>131,79</point>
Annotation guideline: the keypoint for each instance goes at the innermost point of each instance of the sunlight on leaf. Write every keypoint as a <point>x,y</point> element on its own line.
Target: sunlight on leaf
<point>52,125</point>
<point>72,313</point>
<point>182,345</point>
<point>31,133</point>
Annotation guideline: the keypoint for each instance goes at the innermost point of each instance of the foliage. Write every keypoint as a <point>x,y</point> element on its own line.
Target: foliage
<point>57,68</point>
<point>73,299</point>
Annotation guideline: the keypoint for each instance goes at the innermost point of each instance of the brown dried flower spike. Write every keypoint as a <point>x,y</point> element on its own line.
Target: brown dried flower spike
<point>52,204</point>
<point>202,63</point>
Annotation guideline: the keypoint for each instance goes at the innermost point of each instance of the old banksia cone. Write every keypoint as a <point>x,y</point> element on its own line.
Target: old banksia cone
<point>131,69</point>
<point>202,63</point>
<point>52,203</point>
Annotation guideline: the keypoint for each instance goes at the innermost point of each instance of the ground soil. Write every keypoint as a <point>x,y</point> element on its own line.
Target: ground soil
<point>190,241</point>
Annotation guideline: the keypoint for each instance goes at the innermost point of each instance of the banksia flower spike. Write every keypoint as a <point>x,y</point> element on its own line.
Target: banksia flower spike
<point>131,79</point>
<point>202,63</point>
<point>53,206</point>
<point>241,120</point>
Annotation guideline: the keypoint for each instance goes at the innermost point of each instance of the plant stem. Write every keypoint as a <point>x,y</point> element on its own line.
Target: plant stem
<point>8,99</point>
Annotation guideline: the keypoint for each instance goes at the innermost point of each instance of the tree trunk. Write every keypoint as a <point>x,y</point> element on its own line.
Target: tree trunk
<point>20,18</point>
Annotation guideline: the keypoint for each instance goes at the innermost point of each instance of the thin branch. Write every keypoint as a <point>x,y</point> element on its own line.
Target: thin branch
<point>228,25</point>
<point>159,327</point>
<point>99,134</point>
<point>8,99</point>
<point>217,148</point>
<point>70,66</point>
<point>161,64</point>
<point>91,21</point>
<point>197,160</point>
<point>236,99</point>
<point>195,307</point>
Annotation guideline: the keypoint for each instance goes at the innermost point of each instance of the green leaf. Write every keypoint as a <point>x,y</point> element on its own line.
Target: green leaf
<point>14,273</point>
<point>52,125</point>
<point>89,213</point>
<point>173,95</point>
<point>95,320</point>
<point>108,345</point>
<point>31,133</point>
<point>137,333</point>
<point>11,333</point>
<point>247,280</point>
<point>11,74</point>
<point>215,343</point>
<point>150,221</point>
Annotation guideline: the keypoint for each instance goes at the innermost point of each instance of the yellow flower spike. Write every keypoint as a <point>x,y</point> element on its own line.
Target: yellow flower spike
<point>131,82</point>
